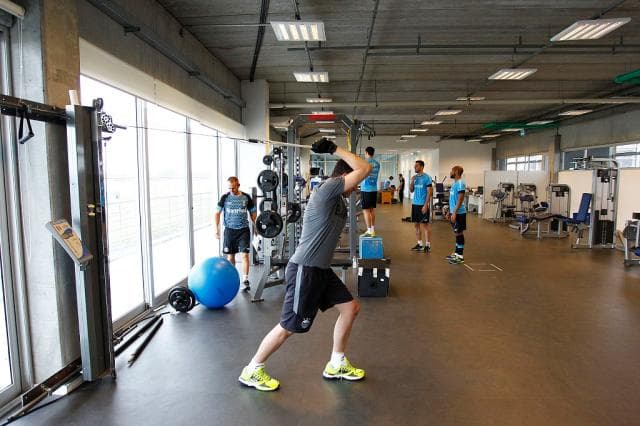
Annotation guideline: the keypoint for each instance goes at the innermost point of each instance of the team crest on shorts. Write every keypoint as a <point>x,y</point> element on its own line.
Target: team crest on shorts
<point>305,323</point>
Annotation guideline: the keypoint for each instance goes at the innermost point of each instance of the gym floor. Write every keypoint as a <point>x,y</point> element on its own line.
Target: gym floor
<point>535,334</point>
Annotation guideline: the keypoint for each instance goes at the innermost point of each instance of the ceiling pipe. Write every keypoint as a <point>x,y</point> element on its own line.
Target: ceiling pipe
<point>583,101</point>
<point>365,56</point>
<point>264,11</point>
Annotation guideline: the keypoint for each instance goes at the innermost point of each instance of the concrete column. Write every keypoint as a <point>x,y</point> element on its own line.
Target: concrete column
<point>255,116</point>
<point>45,65</point>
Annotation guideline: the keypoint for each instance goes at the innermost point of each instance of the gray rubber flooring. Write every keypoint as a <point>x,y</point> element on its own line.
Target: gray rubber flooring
<point>529,332</point>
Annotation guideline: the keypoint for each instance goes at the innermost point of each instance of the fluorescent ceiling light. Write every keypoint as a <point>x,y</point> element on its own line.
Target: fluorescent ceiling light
<point>321,112</point>
<point>327,130</point>
<point>430,123</point>
<point>330,136</point>
<point>299,31</point>
<point>512,73</point>
<point>449,112</point>
<point>489,136</point>
<point>401,140</point>
<point>575,112</point>
<point>539,123</point>
<point>408,136</point>
<point>319,100</point>
<point>419,130</point>
<point>471,98</point>
<point>324,122</point>
<point>512,129</point>
<point>474,140</point>
<point>312,77</point>
<point>590,29</point>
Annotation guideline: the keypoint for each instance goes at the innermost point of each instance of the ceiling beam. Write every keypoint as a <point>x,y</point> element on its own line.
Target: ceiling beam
<point>559,101</point>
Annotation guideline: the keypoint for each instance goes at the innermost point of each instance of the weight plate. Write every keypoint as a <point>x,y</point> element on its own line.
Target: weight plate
<point>269,224</point>
<point>294,212</point>
<point>267,160</point>
<point>181,299</point>
<point>268,180</point>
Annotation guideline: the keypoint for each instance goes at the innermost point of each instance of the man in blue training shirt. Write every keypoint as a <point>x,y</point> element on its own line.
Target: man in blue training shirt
<point>422,188</point>
<point>457,214</point>
<point>237,238</point>
<point>369,192</point>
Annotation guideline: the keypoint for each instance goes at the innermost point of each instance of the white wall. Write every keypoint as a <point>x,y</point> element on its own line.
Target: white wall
<point>474,158</point>
<point>628,195</point>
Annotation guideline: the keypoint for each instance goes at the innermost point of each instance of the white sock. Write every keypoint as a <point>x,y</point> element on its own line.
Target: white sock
<point>419,242</point>
<point>369,230</point>
<point>373,229</point>
<point>428,244</point>
<point>337,358</point>
<point>245,278</point>
<point>253,366</point>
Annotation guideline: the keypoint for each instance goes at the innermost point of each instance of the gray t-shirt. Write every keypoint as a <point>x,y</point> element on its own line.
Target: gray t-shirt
<point>324,218</point>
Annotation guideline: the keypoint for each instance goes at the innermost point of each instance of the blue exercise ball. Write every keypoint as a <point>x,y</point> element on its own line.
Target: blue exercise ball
<point>214,281</point>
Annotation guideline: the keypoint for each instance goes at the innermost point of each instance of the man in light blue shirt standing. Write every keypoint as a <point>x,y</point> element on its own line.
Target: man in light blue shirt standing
<point>422,187</point>
<point>369,192</point>
<point>457,214</point>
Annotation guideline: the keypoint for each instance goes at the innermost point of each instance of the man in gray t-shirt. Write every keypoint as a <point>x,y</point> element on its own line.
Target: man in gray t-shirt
<point>311,283</point>
<point>324,218</point>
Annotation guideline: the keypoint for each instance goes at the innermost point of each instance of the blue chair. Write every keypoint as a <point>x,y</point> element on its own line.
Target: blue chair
<point>582,217</point>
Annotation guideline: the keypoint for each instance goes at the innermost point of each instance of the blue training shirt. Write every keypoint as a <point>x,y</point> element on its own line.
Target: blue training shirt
<point>235,208</point>
<point>421,185</point>
<point>370,183</point>
<point>457,187</point>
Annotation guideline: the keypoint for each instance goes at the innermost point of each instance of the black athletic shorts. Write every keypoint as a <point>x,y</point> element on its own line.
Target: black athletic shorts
<point>369,199</point>
<point>309,289</point>
<point>417,216</point>
<point>236,241</point>
<point>460,224</point>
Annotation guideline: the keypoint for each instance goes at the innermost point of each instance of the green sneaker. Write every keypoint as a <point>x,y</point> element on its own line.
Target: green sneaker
<point>259,379</point>
<point>346,371</point>
<point>369,234</point>
<point>457,259</point>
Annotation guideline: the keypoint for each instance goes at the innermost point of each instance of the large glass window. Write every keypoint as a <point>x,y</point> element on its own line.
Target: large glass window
<point>526,163</point>
<point>628,155</point>
<point>204,178</point>
<point>248,155</point>
<point>122,197</point>
<point>227,160</point>
<point>168,195</point>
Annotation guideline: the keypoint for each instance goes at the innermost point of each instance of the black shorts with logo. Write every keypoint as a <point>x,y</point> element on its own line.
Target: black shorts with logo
<point>369,199</point>
<point>417,216</point>
<point>309,289</point>
<point>460,224</point>
<point>236,240</point>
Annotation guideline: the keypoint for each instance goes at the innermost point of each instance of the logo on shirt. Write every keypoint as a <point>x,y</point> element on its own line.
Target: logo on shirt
<point>305,323</point>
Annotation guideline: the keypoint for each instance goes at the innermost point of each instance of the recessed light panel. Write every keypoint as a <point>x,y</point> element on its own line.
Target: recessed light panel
<point>575,112</point>
<point>471,98</point>
<point>312,77</point>
<point>419,130</point>
<point>590,29</point>
<point>539,123</point>
<point>489,136</point>
<point>408,136</point>
<point>449,112</point>
<point>327,130</point>
<point>430,123</point>
<point>512,73</point>
<point>319,100</point>
<point>299,31</point>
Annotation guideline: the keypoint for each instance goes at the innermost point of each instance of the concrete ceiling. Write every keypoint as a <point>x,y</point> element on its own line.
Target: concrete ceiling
<point>462,42</point>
